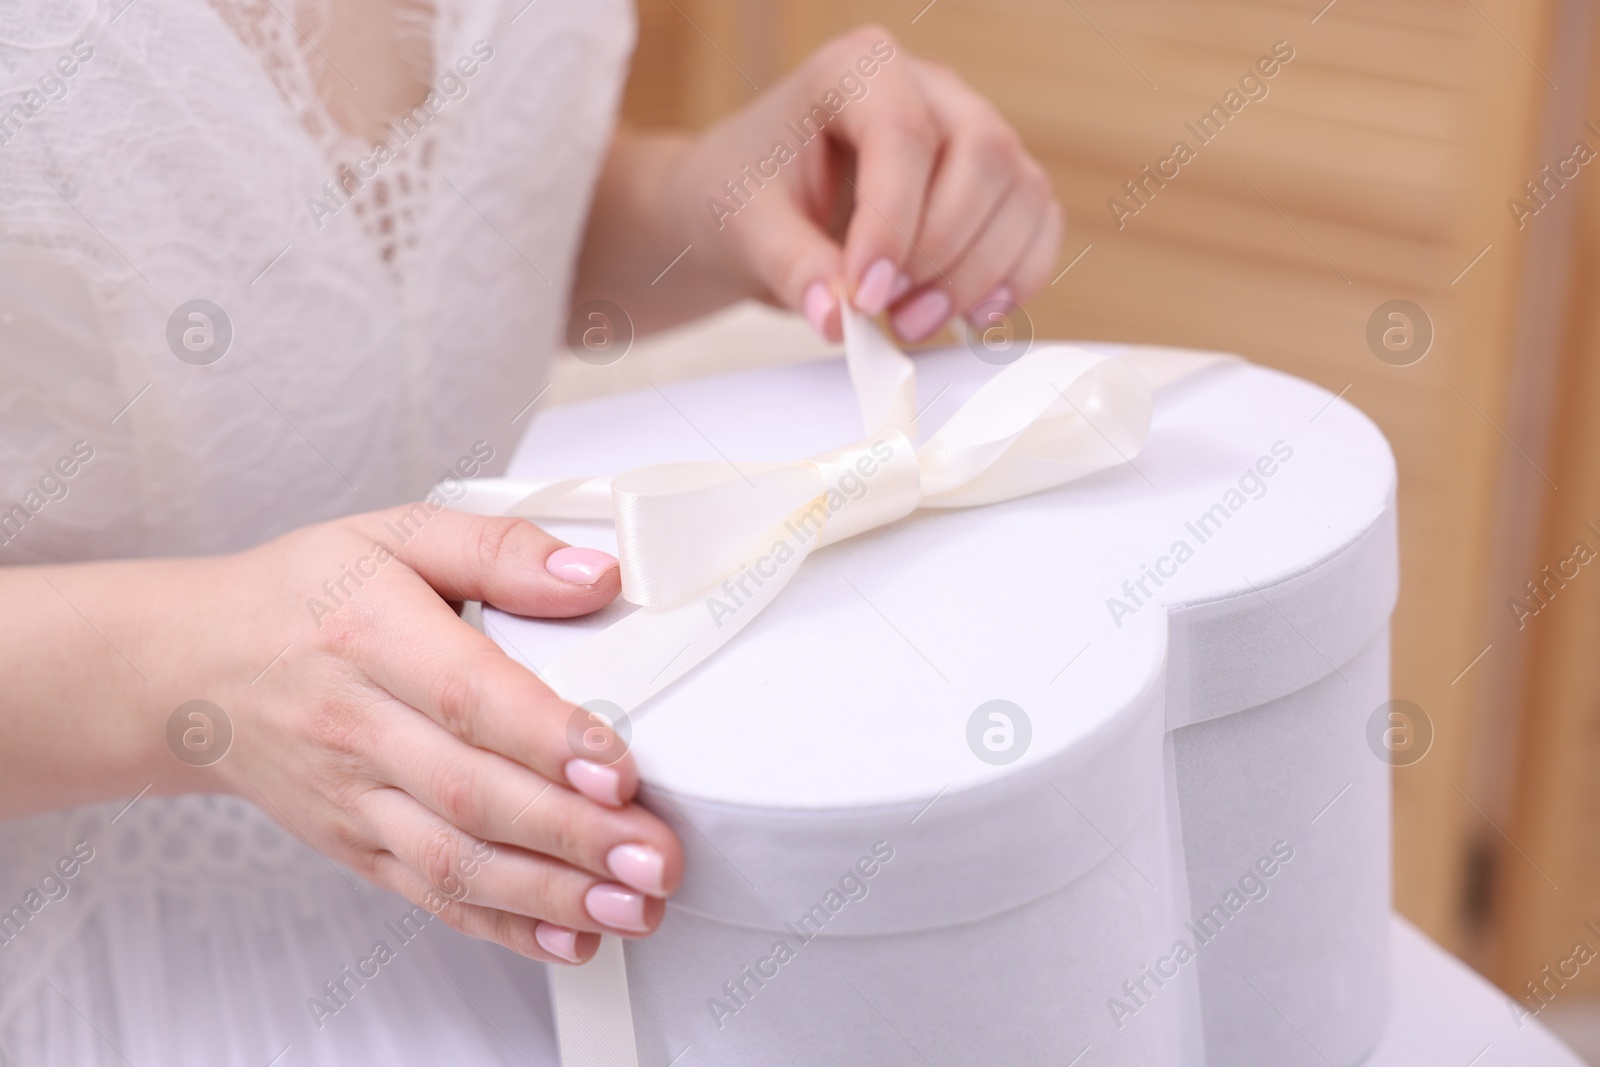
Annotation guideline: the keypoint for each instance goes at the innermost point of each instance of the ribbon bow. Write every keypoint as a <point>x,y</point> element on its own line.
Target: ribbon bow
<point>705,546</point>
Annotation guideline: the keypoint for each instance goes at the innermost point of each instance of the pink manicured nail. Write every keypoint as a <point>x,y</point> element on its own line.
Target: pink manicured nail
<point>639,866</point>
<point>599,783</point>
<point>924,314</point>
<point>877,282</point>
<point>616,907</point>
<point>1001,294</point>
<point>902,286</point>
<point>580,566</point>
<point>817,305</point>
<point>557,940</point>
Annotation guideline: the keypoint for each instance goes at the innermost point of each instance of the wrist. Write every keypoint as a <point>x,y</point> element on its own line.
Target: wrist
<point>691,182</point>
<point>648,245</point>
<point>86,655</point>
<point>174,624</point>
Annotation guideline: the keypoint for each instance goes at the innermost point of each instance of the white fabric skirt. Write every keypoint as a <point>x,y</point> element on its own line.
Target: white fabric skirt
<point>197,933</point>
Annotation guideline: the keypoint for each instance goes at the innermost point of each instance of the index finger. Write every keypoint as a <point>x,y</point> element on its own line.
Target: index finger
<point>429,659</point>
<point>896,138</point>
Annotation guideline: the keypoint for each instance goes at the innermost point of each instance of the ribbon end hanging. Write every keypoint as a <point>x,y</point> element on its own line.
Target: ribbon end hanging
<point>594,1015</point>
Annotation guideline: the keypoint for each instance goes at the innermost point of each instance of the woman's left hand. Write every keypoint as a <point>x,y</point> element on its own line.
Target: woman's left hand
<point>867,172</point>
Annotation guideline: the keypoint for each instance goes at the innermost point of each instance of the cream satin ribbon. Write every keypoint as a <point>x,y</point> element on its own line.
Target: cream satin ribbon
<point>706,546</point>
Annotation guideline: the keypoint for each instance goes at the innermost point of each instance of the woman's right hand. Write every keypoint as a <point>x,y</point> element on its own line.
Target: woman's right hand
<point>403,743</point>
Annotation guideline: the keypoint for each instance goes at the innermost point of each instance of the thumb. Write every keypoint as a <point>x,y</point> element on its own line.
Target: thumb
<point>506,562</point>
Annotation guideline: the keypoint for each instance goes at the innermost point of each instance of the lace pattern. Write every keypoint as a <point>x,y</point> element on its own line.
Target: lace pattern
<point>177,163</point>
<point>352,381</point>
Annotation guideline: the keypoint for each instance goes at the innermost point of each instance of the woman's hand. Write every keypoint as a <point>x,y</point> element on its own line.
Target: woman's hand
<point>866,171</point>
<point>390,734</point>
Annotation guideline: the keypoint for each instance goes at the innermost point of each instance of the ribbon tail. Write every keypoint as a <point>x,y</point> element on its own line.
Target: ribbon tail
<point>594,1016</point>
<point>1162,366</point>
<point>627,663</point>
<point>565,498</point>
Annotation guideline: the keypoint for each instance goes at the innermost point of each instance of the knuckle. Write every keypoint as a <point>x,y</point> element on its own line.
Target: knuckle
<point>913,125</point>
<point>998,146</point>
<point>346,837</point>
<point>455,788</point>
<point>354,844</point>
<point>454,692</point>
<point>495,541</point>
<point>350,825</point>
<point>343,634</point>
<point>369,863</point>
<point>503,541</point>
<point>436,854</point>
<point>337,726</point>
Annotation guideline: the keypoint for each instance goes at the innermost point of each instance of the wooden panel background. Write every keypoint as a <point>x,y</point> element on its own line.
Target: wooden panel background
<point>1377,168</point>
<point>1551,892</point>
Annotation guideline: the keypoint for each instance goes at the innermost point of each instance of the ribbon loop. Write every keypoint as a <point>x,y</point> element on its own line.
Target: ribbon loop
<point>1054,416</point>
<point>682,526</point>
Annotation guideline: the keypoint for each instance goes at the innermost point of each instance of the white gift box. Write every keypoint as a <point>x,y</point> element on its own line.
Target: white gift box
<point>1170,845</point>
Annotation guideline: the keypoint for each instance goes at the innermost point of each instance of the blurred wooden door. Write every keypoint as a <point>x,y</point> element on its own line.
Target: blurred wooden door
<point>1377,167</point>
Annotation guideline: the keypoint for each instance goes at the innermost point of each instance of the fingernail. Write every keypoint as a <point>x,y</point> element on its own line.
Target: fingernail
<point>1001,294</point>
<point>639,866</point>
<point>922,315</point>
<point>599,783</point>
<point>580,566</point>
<point>616,907</point>
<point>902,286</point>
<point>557,940</point>
<point>877,281</point>
<point>817,305</point>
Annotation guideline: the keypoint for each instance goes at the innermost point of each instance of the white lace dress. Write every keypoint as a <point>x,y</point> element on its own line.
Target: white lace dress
<point>359,337</point>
